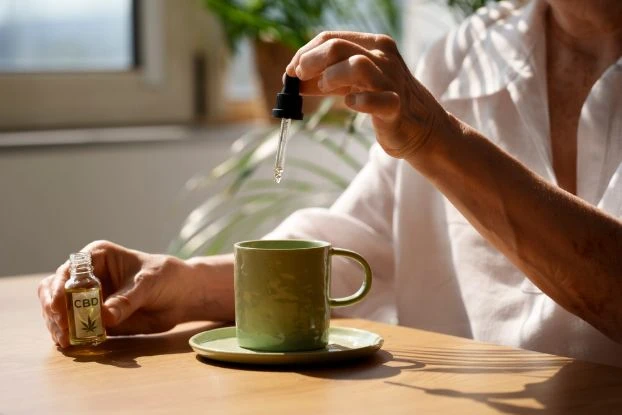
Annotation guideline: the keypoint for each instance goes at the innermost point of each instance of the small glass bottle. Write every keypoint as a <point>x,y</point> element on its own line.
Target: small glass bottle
<point>83,293</point>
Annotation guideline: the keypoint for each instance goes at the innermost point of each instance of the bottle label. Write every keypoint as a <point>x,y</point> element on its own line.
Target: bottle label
<point>87,313</point>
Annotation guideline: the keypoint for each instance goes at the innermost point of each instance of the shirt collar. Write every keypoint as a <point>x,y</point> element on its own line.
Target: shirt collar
<point>504,52</point>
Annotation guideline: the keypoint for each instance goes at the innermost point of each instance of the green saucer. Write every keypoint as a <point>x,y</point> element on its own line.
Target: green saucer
<point>343,344</point>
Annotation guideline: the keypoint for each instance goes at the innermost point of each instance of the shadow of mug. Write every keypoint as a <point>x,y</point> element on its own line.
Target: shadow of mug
<point>380,365</point>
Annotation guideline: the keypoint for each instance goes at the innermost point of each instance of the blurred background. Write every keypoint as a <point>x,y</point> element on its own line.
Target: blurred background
<point>146,122</point>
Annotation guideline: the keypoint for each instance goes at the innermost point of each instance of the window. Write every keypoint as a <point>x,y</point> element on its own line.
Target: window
<point>77,63</point>
<point>67,35</point>
<point>241,83</point>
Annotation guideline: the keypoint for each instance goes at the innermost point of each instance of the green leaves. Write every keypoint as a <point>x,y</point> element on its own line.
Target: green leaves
<point>89,325</point>
<point>295,22</point>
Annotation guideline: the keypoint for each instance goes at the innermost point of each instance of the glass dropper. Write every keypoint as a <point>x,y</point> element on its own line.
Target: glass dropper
<point>288,107</point>
<point>279,164</point>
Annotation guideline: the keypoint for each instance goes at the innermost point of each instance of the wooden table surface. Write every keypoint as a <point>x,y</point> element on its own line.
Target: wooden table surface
<point>416,372</point>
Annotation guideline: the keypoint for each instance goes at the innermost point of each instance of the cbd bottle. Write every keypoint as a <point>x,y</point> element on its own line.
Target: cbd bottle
<point>84,299</point>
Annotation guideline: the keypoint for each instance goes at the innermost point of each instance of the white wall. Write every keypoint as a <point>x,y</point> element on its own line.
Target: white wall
<point>55,199</point>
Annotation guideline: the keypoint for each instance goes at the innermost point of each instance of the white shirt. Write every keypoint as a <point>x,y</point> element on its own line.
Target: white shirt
<point>432,269</point>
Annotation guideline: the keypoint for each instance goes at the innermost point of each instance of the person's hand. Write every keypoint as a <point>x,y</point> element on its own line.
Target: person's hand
<point>143,293</point>
<point>370,72</point>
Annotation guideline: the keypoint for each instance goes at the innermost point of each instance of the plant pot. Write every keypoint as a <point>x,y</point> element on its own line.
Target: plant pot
<point>271,59</point>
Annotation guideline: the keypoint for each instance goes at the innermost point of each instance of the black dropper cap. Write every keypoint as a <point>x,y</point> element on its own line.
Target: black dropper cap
<point>289,101</point>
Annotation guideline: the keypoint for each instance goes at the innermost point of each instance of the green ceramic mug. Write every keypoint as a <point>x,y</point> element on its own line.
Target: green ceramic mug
<point>282,300</point>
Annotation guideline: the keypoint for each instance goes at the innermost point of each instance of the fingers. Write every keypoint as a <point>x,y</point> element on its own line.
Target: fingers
<point>104,258</point>
<point>52,300</point>
<point>313,62</point>
<point>340,63</point>
<point>55,332</point>
<point>123,303</point>
<point>112,264</point>
<point>311,87</point>
<point>384,105</point>
<point>57,327</point>
<point>56,289</point>
<point>365,40</point>
<point>355,73</point>
<point>141,322</point>
<point>358,73</point>
<point>57,305</point>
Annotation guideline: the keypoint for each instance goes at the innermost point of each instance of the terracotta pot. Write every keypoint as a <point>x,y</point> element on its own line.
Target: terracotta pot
<point>271,59</point>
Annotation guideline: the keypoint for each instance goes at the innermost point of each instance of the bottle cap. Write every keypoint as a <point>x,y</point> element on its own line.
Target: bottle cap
<point>289,101</point>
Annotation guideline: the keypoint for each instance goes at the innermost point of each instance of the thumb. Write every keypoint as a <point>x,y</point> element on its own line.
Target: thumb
<point>123,303</point>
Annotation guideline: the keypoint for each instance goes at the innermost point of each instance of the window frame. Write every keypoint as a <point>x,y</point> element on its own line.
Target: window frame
<point>162,89</point>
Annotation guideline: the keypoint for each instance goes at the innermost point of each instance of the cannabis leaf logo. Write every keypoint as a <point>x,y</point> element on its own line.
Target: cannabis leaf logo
<point>90,325</point>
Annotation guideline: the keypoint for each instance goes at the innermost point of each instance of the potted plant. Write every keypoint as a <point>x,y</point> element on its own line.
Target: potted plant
<point>277,28</point>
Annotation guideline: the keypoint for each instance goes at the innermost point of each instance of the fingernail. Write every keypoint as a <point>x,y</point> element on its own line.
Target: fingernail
<point>299,72</point>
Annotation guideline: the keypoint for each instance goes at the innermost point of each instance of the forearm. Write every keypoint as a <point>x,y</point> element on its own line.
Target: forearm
<point>568,248</point>
<point>210,283</point>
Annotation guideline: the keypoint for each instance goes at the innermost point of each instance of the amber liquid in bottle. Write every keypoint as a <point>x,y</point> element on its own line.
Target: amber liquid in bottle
<point>84,300</point>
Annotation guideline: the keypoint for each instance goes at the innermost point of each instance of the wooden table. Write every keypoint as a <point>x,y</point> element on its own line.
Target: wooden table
<point>416,372</point>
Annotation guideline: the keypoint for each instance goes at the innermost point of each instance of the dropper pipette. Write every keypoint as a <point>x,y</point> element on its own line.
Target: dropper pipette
<point>288,107</point>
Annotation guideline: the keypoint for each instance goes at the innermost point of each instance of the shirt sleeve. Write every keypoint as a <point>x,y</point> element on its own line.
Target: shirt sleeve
<point>360,220</point>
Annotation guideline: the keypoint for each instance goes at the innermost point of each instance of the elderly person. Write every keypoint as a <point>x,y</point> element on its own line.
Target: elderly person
<point>489,209</point>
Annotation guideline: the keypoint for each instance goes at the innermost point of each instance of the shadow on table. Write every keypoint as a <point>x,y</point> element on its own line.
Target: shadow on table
<point>551,384</point>
<point>384,364</point>
<point>380,365</point>
<point>575,387</point>
<point>124,351</point>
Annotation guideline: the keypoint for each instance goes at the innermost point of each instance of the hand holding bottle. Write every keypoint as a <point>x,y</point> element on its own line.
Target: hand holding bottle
<point>143,293</point>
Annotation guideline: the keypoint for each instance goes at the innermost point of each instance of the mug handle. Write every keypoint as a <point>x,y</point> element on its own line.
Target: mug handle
<point>362,292</point>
